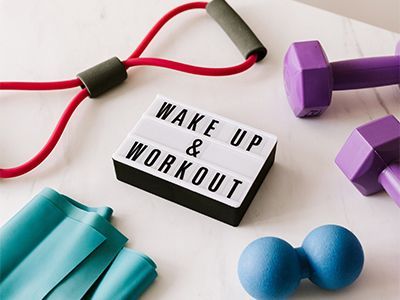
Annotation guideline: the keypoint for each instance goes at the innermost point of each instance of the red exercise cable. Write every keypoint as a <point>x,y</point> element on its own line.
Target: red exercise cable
<point>133,60</point>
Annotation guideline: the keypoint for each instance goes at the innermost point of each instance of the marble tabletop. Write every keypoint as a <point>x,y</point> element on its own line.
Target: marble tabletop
<point>196,256</point>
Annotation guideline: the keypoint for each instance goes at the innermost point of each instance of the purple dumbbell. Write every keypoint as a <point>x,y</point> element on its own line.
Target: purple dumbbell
<point>370,158</point>
<point>310,78</point>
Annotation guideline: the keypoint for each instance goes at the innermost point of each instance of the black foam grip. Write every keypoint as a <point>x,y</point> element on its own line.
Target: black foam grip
<point>104,76</point>
<point>238,31</point>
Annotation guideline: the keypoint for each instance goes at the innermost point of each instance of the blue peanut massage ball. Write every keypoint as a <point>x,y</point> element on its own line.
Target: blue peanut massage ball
<point>331,257</point>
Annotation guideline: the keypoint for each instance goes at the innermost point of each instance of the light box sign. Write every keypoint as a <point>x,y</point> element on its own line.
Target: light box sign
<point>200,160</point>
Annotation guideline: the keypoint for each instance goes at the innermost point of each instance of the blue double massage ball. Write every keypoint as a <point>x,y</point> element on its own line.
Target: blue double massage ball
<point>331,257</point>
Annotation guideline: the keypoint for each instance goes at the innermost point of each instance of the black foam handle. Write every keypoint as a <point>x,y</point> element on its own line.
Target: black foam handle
<point>238,31</point>
<point>103,77</point>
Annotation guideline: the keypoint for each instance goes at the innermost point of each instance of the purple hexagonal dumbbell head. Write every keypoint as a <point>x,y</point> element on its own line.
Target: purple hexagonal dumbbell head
<point>370,157</point>
<point>308,78</point>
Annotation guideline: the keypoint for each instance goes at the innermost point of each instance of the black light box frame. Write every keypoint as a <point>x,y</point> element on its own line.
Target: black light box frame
<point>197,159</point>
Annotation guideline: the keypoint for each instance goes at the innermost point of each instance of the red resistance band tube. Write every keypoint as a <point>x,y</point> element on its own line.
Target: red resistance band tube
<point>131,61</point>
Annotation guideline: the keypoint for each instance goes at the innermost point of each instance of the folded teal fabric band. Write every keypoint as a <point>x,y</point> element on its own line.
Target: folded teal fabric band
<point>128,277</point>
<point>56,247</point>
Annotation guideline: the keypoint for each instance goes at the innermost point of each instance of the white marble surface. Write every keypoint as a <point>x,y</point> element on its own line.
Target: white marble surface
<point>196,255</point>
<point>382,13</point>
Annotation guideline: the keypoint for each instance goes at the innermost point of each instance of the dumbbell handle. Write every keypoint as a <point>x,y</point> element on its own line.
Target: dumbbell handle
<point>390,181</point>
<point>366,72</point>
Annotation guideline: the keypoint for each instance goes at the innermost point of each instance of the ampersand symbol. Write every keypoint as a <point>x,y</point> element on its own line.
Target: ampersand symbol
<point>192,150</point>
